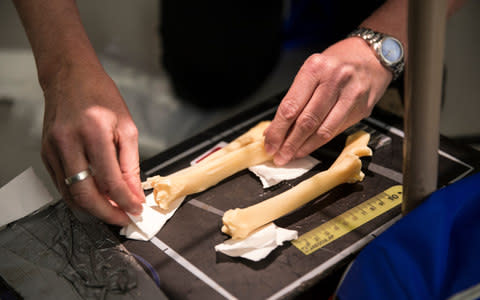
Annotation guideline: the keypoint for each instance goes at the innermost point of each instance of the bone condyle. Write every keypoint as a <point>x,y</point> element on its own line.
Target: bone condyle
<point>240,222</point>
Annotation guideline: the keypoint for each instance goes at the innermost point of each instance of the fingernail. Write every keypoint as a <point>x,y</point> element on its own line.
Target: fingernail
<point>280,160</point>
<point>137,210</point>
<point>300,154</point>
<point>142,198</point>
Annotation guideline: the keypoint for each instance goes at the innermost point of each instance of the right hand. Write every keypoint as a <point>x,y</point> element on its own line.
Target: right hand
<point>332,91</point>
<point>87,124</point>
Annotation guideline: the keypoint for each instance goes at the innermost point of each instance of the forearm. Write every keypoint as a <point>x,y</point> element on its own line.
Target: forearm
<point>56,35</point>
<point>391,18</point>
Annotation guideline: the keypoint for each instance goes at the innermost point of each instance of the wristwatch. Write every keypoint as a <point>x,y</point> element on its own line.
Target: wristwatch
<point>388,49</point>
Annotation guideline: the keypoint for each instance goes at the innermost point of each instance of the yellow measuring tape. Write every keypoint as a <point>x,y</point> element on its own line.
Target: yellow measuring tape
<point>349,220</point>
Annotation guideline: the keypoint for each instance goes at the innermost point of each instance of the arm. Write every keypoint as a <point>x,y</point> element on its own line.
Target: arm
<point>336,88</point>
<point>86,122</point>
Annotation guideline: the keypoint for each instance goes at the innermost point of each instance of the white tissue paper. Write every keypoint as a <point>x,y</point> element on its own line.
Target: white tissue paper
<point>271,175</point>
<point>150,221</point>
<point>259,244</point>
<point>22,196</point>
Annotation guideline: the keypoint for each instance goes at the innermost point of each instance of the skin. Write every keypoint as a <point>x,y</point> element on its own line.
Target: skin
<point>336,88</point>
<point>87,123</point>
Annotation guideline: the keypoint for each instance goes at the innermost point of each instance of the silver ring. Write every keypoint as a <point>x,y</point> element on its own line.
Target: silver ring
<point>78,177</point>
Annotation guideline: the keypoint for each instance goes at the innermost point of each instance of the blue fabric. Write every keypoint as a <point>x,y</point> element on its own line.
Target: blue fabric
<point>431,253</point>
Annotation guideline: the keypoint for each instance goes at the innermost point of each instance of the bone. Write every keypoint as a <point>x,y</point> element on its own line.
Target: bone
<point>242,153</point>
<point>241,222</point>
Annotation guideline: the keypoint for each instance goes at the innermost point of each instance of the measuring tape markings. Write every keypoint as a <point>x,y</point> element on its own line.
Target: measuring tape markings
<point>349,220</point>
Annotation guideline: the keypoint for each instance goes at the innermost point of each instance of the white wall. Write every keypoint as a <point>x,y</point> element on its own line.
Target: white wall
<point>120,28</point>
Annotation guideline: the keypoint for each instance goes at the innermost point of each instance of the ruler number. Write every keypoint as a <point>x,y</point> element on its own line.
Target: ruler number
<point>392,197</point>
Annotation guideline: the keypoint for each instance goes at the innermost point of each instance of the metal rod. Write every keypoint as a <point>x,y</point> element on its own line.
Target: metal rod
<point>423,92</point>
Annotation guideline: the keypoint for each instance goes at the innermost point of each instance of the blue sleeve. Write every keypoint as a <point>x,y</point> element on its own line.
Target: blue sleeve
<point>431,253</point>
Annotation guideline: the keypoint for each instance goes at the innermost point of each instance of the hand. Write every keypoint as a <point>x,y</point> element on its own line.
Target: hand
<point>87,123</point>
<point>331,91</point>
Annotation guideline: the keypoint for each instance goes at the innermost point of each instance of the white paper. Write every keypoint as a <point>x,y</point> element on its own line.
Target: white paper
<point>259,244</point>
<point>270,174</point>
<point>22,196</point>
<point>150,221</point>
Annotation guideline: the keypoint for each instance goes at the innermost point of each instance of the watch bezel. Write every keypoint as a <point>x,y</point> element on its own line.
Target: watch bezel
<point>379,46</point>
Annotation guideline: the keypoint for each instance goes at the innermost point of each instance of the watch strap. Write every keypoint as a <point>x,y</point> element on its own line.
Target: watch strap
<point>373,38</point>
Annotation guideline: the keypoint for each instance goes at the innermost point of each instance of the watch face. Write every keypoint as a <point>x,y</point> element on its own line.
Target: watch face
<point>391,50</point>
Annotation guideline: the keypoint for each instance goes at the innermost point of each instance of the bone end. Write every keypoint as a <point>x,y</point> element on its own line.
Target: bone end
<point>357,143</point>
<point>233,226</point>
<point>165,192</point>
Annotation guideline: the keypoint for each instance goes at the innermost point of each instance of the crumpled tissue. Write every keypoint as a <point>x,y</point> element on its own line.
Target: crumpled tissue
<point>259,244</point>
<point>151,220</point>
<point>270,174</point>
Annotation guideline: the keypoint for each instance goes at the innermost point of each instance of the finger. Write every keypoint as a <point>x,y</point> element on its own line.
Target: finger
<point>85,193</point>
<point>333,125</point>
<point>129,159</point>
<point>307,123</point>
<point>108,176</point>
<point>46,157</point>
<point>52,163</point>
<point>291,106</point>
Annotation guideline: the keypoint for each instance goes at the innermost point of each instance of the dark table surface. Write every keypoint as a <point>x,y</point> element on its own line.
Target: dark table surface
<point>182,254</point>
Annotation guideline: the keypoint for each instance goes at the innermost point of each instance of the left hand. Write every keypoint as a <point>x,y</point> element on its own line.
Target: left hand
<point>331,91</point>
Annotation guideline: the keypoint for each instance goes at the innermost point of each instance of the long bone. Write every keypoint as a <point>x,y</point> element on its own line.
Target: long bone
<point>243,152</point>
<point>240,222</point>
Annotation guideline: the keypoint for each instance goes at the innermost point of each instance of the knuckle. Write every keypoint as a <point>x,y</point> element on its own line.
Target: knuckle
<point>272,136</point>
<point>303,151</point>
<point>345,72</point>
<point>325,134</point>
<point>316,61</point>
<point>341,75</point>
<point>307,122</point>
<point>106,185</point>
<point>97,118</point>
<point>288,109</point>
<point>132,174</point>
<point>81,198</point>
<point>360,91</point>
<point>289,148</point>
<point>58,135</point>
<point>95,113</point>
<point>96,130</point>
<point>90,134</point>
<point>130,131</point>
